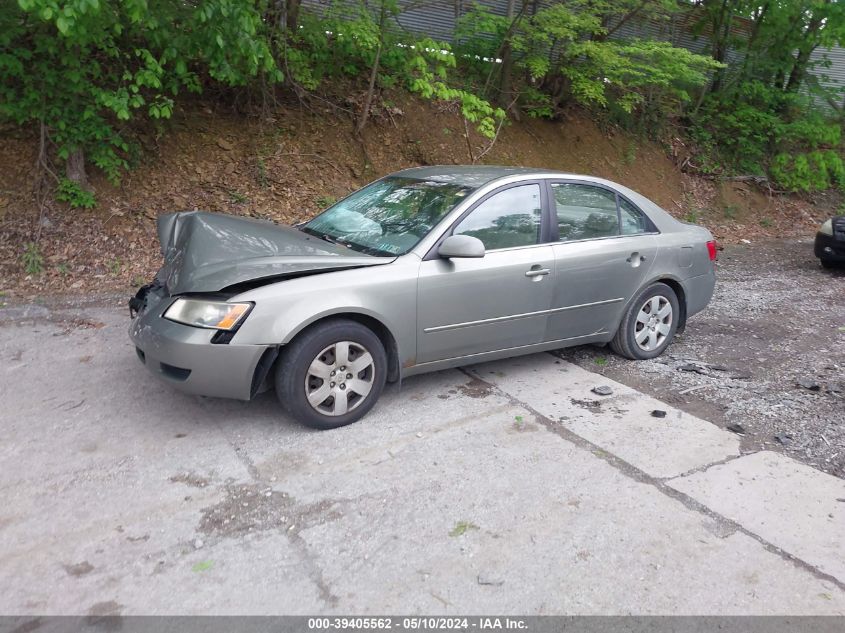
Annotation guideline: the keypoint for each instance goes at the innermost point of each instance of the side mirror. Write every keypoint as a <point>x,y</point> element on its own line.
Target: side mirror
<point>461,246</point>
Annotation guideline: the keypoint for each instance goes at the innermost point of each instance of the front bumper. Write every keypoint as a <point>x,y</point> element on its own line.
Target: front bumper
<point>185,358</point>
<point>829,248</point>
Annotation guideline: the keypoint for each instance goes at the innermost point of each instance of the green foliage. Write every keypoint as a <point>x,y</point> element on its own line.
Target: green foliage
<point>338,44</point>
<point>324,202</point>
<point>72,193</point>
<point>85,69</point>
<point>33,261</point>
<point>565,56</point>
<point>462,527</point>
<point>759,129</point>
<point>479,34</point>
<point>90,72</point>
<point>809,171</point>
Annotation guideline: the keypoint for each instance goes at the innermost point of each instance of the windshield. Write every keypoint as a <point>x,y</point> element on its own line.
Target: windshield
<point>388,217</point>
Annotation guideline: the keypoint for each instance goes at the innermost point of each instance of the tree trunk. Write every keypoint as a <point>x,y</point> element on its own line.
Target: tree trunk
<point>292,14</point>
<point>75,168</point>
<point>368,99</point>
<point>506,79</point>
<point>721,38</point>
<point>799,70</point>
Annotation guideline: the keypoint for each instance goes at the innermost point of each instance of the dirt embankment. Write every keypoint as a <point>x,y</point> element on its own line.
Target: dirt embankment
<point>292,165</point>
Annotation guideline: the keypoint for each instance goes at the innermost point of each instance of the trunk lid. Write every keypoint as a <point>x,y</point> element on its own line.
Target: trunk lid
<point>208,252</point>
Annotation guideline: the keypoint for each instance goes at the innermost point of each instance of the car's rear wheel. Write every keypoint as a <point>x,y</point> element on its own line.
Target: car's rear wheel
<point>649,324</point>
<point>827,263</point>
<point>332,374</point>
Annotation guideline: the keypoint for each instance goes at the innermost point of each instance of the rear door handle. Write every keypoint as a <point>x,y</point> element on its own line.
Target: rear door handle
<point>537,272</point>
<point>635,257</point>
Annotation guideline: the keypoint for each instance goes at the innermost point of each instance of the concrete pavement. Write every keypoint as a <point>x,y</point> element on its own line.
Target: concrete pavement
<point>507,488</point>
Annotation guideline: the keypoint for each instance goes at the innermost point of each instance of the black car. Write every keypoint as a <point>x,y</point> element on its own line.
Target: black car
<point>830,242</point>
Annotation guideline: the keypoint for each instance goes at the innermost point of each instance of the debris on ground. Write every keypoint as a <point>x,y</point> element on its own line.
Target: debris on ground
<point>809,383</point>
<point>490,580</point>
<point>658,413</point>
<point>736,428</point>
<point>602,390</point>
<point>692,367</point>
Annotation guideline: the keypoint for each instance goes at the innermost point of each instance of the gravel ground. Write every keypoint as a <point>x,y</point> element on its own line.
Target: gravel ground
<point>775,323</point>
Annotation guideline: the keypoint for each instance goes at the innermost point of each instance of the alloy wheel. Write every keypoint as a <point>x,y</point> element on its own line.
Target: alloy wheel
<point>654,322</point>
<point>340,378</point>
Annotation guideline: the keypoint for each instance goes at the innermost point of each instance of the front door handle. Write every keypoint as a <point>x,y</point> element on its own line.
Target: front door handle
<point>635,259</point>
<point>536,271</point>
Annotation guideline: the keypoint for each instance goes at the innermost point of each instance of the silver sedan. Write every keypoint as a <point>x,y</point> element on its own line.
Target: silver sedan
<point>424,269</point>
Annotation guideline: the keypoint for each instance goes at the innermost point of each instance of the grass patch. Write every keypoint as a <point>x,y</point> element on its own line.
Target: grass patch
<point>203,565</point>
<point>462,527</point>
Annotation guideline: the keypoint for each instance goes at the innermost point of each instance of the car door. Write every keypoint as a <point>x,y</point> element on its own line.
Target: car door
<point>472,305</point>
<point>604,251</point>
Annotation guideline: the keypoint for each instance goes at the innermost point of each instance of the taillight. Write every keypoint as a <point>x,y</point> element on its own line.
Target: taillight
<point>711,250</point>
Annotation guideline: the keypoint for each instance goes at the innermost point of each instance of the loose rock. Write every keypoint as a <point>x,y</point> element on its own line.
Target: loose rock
<point>736,428</point>
<point>809,383</point>
<point>658,413</point>
<point>602,390</point>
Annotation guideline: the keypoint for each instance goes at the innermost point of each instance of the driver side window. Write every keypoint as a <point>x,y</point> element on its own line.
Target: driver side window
<point>507,219</point>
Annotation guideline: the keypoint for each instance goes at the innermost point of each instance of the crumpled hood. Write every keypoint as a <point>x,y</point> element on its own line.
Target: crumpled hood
<point>207,252</point>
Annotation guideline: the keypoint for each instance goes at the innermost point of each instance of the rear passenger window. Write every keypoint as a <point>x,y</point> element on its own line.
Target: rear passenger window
<point>585,212</point>
<point>633,220</point>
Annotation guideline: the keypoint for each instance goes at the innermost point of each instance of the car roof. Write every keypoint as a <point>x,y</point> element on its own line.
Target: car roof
<point>467,175</point>
<point>476,176</point>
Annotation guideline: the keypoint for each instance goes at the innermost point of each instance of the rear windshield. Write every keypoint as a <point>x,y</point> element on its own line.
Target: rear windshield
<point>388,217</point>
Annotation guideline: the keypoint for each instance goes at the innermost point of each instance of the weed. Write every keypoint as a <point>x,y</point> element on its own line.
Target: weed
<point>730,211</point>
<point>601,361</point>
<point>77,197</point>
<point>324,202</point>
<point>446,131</point>
<point>33,261</point>
<point>262,173</point>
<point>114,266</point>
<point>766,223</point>
<point>203,565</point>
<point>461,527</point>
<point>691,216</point>
<point>64,269</point>
<point>138,280</point>
<point>520,422</point>
<point>237,197</point>
<point>630,153</point>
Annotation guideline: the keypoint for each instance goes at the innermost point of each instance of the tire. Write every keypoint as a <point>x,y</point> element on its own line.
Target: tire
<point>314,396</point>
<point>660,330</point>
<point>827,263</point>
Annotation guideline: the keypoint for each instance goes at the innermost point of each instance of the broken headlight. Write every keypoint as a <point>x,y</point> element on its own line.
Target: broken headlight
<point>217,315</point>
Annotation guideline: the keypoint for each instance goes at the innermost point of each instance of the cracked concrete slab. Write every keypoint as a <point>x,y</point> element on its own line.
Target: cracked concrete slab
<point>620,423</point>
<point>793,506</point>
<point>453,496</point>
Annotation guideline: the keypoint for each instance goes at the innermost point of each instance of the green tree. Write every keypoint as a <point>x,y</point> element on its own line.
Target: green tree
<point>83,70</point>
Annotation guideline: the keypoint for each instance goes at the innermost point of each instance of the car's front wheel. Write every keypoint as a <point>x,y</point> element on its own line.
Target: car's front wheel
<point>332,374</point>
<point>649,324</point>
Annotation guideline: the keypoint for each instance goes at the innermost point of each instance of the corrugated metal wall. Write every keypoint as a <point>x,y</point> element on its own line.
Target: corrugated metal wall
<point>437,19</point>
